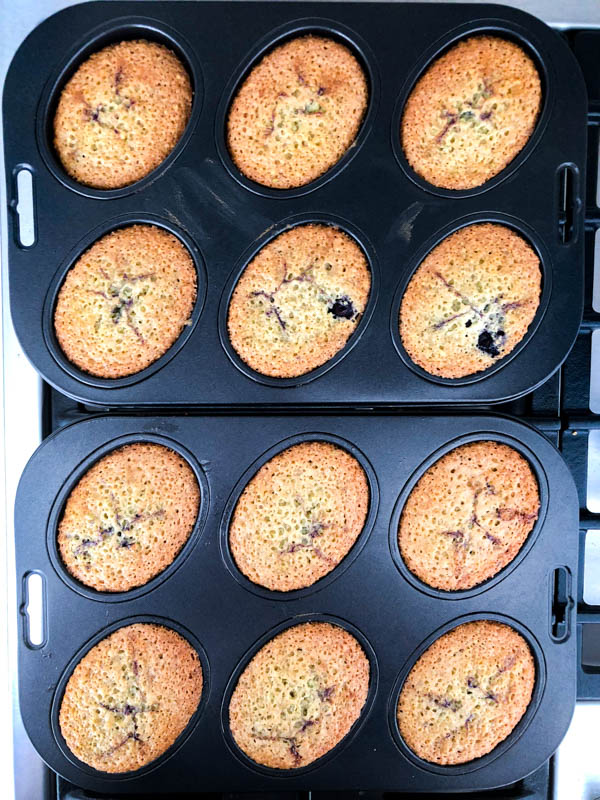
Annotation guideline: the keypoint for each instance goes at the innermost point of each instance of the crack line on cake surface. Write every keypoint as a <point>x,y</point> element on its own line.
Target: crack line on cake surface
<point>291,741</point>
<point>122,526</point>
<point>308,106</point>
<point>455,731</point>
<point>313,532</point>
<point>489,341</point>
<point>121,300</point>
<point>475,103</point>
<point>341,307</point>
<point>129,709</point>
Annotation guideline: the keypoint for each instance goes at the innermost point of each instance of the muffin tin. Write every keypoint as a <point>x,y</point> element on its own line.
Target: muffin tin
<point>198,194</point>
<point>228,619</point>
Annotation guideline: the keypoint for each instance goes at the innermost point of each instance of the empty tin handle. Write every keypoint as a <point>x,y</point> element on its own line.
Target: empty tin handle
<point>23,206</point>
<point>561,604</point>
<point>33,610</point>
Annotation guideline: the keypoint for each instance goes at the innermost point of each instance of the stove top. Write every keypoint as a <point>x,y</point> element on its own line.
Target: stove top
<point>564,409</point>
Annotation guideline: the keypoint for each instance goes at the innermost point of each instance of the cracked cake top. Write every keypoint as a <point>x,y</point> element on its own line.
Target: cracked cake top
<point>125,301</point>
<point>122,113</point>
<point>130,697</point>
<point>299,516</point>
<point>299,300</point>
<point>297,112</point>
<point>466,693</point>
<point>299,695</point>
<point>468,515</point>
<point>471,112</point>
<point>128,517</point>
<point>471,300</point>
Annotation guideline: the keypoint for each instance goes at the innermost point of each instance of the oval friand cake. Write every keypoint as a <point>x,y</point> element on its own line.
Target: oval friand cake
<point>125,301</point>
<point>471,300</point>
<point>298,301</point>
<point>469,515</point>
<point>471,112</point>
<point>297,112</point>
<point>299,516</point>
<point>130,697</point>
<point>299,695</point>
<point>122,113</point>
<point>466,693</point>
<point>128,517</point>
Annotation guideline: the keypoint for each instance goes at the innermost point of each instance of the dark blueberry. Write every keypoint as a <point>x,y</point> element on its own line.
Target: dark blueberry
<point>116,313</point>
<point>468,323</point>
<point>485,343</point>
<point>342,308</point>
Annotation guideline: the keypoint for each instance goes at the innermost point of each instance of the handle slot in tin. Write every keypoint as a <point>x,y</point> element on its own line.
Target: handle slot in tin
<point>24,207</point>
<point>569,202</point>
<point>33,610</point>
<point>561,604</point>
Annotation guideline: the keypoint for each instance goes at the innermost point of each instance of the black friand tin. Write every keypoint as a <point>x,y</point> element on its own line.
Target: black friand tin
<point>370,594</point>
<point>199,194</point>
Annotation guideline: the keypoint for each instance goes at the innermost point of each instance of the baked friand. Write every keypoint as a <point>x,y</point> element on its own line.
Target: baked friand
<point>468,515</point>
<point>466,693</point>
<point>471,112</point>
<point>122,113</point>
<point>299,516</point>
<point>297,112</point>
<point>130,697</point>
<point>471,300</point>
<point>125,301</point>
<point>299,695</point>
<point>128,517</point>
<point>299,300</point>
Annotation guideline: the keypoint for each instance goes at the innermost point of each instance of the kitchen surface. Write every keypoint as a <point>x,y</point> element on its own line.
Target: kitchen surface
<point>562,410</point>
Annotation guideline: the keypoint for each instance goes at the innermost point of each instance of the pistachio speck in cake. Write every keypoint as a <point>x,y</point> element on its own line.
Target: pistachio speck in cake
<point>125,301</point>
<point>122,113</point>
<point>299,300</point>
<point>471,112</point>
<point>471,301</point>
<point>297,112</point>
